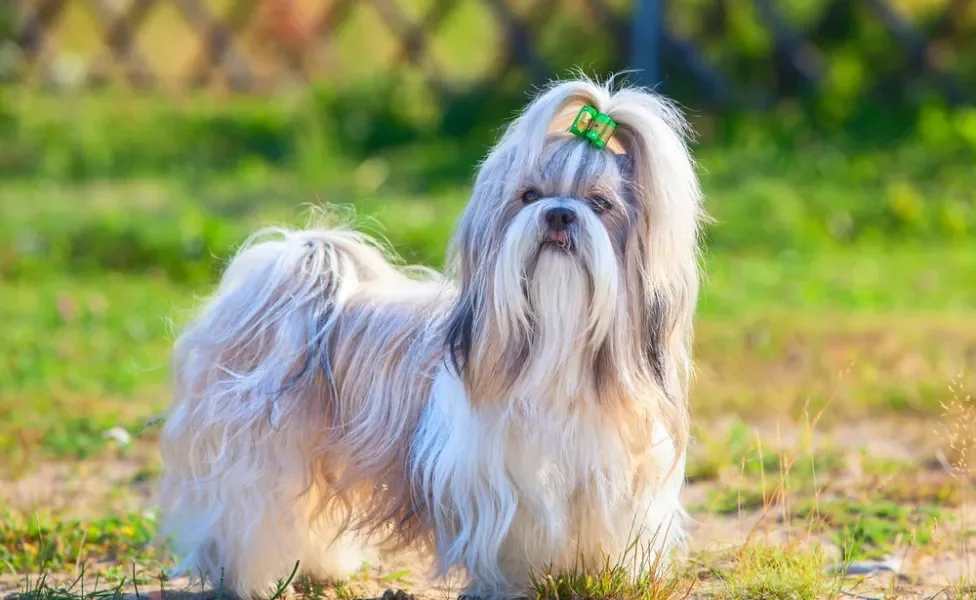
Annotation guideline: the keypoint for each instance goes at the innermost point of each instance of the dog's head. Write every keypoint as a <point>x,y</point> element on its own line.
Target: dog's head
<point>578,261</point>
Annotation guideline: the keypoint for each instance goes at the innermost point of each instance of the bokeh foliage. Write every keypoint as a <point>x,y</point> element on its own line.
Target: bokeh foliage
<point>774,182</point>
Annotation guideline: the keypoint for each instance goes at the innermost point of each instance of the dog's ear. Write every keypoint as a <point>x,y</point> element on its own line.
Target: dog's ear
<point>655,332</point>
<point>657,162</point>
<point>660,172</point>
<point>459,335</point>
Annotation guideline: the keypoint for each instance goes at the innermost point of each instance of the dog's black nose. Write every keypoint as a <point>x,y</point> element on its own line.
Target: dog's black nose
<point>560,218</point>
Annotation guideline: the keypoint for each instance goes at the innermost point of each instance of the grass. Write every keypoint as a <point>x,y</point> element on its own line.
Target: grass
<point>832,289</point>
<point>765,572</point>
<point>35,543</point>
<point>864,518</point>
<point>94,272</point>
<point>758,571</point>
<point>88,352</point>
<point>873,529</point>
<point>84,354</point>
<point>647,580</point>
<point>40,588</point>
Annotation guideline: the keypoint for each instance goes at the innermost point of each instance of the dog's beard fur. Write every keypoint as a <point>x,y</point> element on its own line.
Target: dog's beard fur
<point>547,303</point>
<point>529,411</point>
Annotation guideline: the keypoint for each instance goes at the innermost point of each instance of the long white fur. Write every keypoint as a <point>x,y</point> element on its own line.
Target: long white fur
<point>318,412</point>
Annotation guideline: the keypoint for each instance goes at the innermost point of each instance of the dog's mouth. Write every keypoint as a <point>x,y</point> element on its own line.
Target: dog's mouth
<point>558,240</point>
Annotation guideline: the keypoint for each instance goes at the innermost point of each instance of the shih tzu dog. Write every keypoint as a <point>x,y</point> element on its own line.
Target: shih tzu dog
<point>528,411</point>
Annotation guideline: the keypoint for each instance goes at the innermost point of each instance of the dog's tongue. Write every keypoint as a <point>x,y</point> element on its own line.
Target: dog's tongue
<point>558,236</point>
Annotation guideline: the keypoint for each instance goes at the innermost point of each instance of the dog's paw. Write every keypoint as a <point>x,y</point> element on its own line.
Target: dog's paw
<point>397,595</point>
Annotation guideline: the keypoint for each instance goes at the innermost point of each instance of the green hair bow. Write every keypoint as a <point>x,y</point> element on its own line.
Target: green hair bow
<point>594,126</point>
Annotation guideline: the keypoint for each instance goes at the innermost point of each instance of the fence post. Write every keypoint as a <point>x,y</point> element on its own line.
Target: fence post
<point>645,42</point>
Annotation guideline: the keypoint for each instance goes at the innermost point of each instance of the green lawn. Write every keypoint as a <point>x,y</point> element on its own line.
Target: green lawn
<point>839,296</point>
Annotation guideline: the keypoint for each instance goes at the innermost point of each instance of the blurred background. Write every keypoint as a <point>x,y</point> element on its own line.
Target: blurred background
<point>142,140</point>
<point>820,122</point>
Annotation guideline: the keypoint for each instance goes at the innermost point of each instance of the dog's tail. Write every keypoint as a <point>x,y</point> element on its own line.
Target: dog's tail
<point>252,365</point>
<point>263,336</point>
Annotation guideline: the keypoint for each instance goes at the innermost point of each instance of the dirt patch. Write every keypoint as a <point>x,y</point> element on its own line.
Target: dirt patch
<point>852,501</point>
<point>82,489</point>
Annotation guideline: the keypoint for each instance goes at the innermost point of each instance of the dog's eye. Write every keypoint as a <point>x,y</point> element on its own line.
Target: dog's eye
<point>530,196</point>
<point>599,203</point>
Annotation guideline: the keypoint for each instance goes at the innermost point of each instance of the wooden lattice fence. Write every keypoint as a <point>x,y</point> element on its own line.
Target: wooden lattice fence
<point>727,51</point>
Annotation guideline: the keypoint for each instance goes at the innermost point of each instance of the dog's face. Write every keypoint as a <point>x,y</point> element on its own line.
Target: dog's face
<point>553,268</point>
<point>562,239</point>
<point>577,266</point>
<point>577,204</point>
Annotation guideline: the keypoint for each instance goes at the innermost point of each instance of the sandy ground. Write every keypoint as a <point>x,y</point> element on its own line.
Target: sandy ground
<point>91,489</point>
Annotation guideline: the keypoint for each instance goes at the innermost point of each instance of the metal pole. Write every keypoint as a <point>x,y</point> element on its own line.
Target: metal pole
<point>645,42</point>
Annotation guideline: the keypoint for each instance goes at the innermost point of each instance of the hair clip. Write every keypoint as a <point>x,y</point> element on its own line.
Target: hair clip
<point>594,126</point>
